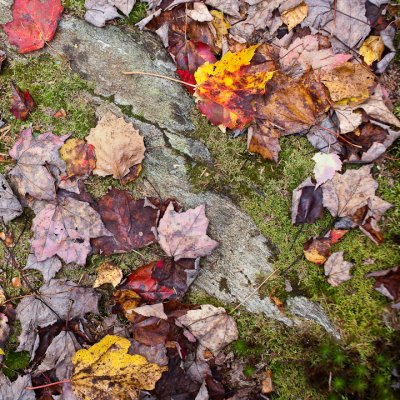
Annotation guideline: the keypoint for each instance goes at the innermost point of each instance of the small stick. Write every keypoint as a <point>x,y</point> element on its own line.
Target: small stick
<point>158,76</point>
<point>47,385</point>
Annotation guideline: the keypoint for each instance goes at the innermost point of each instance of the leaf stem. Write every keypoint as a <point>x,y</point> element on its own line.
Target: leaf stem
<point>47,385</point>
<point>158,76</point>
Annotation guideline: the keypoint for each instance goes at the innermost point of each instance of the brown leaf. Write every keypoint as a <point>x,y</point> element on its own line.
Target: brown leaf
<point>22,102</point>
<point>387,282</point>
<point>336,269</point>
<point>117,144</point>
<point>131,223</point>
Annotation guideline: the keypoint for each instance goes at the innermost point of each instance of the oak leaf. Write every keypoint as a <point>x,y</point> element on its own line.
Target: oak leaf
<point>107,370</point>
<point>336,269</point>
<point>22,102</point>
<point>65,229</point>
<point>10,207</point>
<point>225,89</point>
<point>131,223</point>
<point>211,326</point>
<point>34,23</point>
<point>108,273</point>
<point>325,167</point>
<point>117,144</point>
<point>184,235</point>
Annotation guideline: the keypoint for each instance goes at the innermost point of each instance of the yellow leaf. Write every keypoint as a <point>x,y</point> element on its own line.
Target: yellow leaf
<point>313,256</point>
<point>294,16</point>
<point>221,26</point>
<point>108,273</point>
<point>2,352</point>
<point>106,371</point>
<point>372,49</point>
<point>128,300</point>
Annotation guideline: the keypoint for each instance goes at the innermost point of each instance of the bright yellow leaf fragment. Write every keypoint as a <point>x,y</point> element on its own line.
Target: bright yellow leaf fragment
<point>108,273</point>
<point>294,16</point>
<point>221,26</point>
<point>106,371</point>
<point>372,49</point>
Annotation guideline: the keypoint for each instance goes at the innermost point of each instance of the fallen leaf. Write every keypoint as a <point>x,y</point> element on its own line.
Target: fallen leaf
<point>61,113</point>
<point>387,282</point>
<point>127,301</point>
<point>337,270</point>
<point>348,84</point>
<point>150,330</point>
<point>266,383</point>
<point>349,120</point>
<point>184,235</point>
<point>372,49</point>
<point>98,12</point>
<point>108,273</point>
<point>58,298</point>
<point>10,207</point>
<point>4,329</point>
<point>16,282</point>
<point>306,203</point>
<point>154,310</point>
<point>117,144</point>
<point>221,26</point>
<point>294,16</point>
<point>106,369</point>
<point>131,223</point>
<point>323,137</point>
<point>345,193</point>
<point>211,326</point>
<point>132,175</point>
<point>34,23</point>
<point>16,390</point>
<point>22,102</point>
<point>228,84</point>
<point>48,267</point>
<point>199,13</point>
<point>230,7</point>
<point>155,354</point>
<point>317,250</point>
<point>65,229</point>
<point>37,163</point>
<point>325,167</point>
<point>79,157</point>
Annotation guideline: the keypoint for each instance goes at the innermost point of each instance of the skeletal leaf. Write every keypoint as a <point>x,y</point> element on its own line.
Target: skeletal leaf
<point>372,49</point>
<point>78,156</point>
<point>117,144</point>
<point>48,267</point>
<point>294,16</point>
<point>325,167</point>
<point>16,390</point>
<point>10,207</point>
<point>107,370</point>
<point>108,273</point>
<point>65,229</point>
<point>337,270</point>
<point>211,326</point>
<point>184,235</point>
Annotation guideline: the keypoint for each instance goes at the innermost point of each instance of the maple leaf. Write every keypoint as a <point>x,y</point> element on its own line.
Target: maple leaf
<point>48,267</point>
<point>325,167</point>
<point>105,369</point>
<point>79,157</point>
<point>229,85</point>
<point>58,298</point>
<point>306,203</point>
<point>336,269</point>
<point>65,229</point>
<point>37,163</point>
<point>387,282</point>
<point>22,102</point>
<point>34,23</point>
<point>108,273</point>
<point>131,222</point>
<point>117,144</point>
<point>16,390</point>
<point>211,326</point>
<point>10,207</point>
<point>184,235</point>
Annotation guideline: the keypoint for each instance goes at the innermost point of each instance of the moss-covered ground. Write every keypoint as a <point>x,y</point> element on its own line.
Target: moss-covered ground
<point>305,361</point>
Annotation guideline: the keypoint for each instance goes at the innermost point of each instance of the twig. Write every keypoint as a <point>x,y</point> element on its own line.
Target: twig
<point>158,76</point>
<point>47,385</point>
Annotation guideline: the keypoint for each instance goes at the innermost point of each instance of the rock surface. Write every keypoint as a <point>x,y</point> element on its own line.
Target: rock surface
<point>100,55</point>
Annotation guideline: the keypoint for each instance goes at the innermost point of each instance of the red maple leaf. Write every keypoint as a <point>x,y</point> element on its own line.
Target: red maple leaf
<point>34,23</point>
<point>186,76</point>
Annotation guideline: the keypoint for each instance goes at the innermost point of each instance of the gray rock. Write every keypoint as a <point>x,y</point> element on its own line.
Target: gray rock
<point>5,11</point>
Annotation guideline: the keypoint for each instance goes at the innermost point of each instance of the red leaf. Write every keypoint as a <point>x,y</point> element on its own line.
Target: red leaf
<point>22,102</point>
<point>34,23</point>
<point>186,76</point>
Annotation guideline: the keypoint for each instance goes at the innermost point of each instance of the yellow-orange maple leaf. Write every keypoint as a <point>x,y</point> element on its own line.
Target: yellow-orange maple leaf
<point>106,371</point>
<point>225,89</point>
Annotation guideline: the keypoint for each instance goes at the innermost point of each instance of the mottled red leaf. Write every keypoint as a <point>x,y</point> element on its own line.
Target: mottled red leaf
<point>34,24</point>
<point>22,102</point>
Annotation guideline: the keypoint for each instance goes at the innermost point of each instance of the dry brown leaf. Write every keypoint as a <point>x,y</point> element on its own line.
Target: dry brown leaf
<point>118,146</point>
<point>337,269</point>
<point>108,273</point>
<point>294,16</point>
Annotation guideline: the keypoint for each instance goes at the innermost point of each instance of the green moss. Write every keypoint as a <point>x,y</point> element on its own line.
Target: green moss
<point>15,362</point>
<point>75,6</point>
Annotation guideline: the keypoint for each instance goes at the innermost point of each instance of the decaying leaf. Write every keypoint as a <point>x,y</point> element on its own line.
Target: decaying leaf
<point>107,370</point>
<point>117,144</point>
<point>34,23</point>
<point>10,207</point>
<point>48,267</point>
<point>337,270</point>
<point>127,300</point>
<point>200,13</point>
<point>211,326</point>
<point>225,89</point>
<point>79,157</point>
<point>108,273</point>
<point>65,229</point>
<point>317,250</point>
<point>294,16</point>
<point>153,310</point>
<point>306,203</point>
<point>98,12</point>
<point>38,162</point>
<point>387,282</point>
<point>325,167</point>
<point>184,235</point>
<point>131,223</point>
<point>16,390</point>
<point>372,49</point>
<point>60,296</point>
<point>22,102</point>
